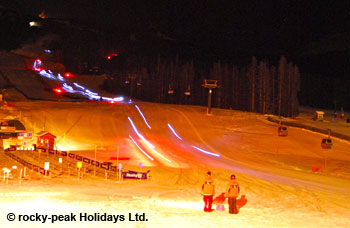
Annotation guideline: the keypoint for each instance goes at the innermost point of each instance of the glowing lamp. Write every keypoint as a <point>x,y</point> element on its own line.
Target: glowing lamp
<point>47,166</point>
<point>110,56</point>
<point>33,23</point>
<point>6,170</point>
<point>58,90</point>
<point>67,75</point>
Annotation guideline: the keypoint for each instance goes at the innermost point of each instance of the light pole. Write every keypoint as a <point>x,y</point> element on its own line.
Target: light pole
<point>209,101</point>
<point>210,84</point>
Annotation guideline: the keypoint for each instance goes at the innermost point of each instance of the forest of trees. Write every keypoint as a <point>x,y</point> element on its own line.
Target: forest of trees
<point>257,87</point>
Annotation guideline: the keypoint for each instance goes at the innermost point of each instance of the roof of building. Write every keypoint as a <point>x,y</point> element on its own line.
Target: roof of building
<point>42,133</point>
<point>15,123</point>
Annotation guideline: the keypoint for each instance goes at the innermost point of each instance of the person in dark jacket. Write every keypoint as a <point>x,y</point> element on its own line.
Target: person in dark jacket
<point>232,191</point>
<point>208,192</point>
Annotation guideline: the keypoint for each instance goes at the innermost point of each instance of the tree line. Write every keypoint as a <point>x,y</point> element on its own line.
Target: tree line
<point>258,87</point>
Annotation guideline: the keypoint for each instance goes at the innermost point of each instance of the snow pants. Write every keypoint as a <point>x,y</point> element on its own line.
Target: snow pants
<point>232,206</point>
<point>208,201</point>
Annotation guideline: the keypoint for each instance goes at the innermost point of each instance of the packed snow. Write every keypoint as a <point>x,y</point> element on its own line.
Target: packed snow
<point>285,181</point>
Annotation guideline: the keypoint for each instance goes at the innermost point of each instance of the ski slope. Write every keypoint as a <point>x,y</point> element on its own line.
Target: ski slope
<point>278,185</point>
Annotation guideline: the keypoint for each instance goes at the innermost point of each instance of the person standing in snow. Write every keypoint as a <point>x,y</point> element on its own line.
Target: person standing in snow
<point>208,192</point>
<point>232,191</point>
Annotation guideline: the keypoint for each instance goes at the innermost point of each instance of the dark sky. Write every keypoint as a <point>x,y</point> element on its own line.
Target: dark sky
<point>314,34</point>
<point>222,28</point>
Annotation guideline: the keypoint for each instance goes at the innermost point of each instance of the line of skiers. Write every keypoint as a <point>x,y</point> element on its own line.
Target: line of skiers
<point>208,192</point>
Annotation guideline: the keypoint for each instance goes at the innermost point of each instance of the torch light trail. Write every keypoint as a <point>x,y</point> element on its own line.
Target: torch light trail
<point>144,118</point>
<point>80,89</point>
<point>143,139</point>
<point>141,148</point>
<point>141,136</point>
<point>160,155</point>
<point>174,132</point>
<point>206,152</point>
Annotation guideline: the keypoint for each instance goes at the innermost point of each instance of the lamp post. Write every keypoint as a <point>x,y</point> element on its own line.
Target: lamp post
<point>209,101</point>
<point>210,84</point>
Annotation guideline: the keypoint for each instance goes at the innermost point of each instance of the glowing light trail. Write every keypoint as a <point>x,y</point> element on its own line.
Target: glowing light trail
<point>79,86</point>
<point>174,132</point>
<point>206,152</point>
<point>37,63</point>
<point>144,118</point>
<point>141,136</point>
<point>143,139</point>
<point>80,89</point>
<point>60,77</point>
<point>141,148</point>
<point>160,155</point>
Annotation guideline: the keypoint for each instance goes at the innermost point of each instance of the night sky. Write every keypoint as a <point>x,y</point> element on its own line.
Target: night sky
<point>222,28</point>
<point>313,34</point>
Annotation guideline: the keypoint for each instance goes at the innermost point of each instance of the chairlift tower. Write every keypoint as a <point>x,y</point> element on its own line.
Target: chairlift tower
<point>210,84</point>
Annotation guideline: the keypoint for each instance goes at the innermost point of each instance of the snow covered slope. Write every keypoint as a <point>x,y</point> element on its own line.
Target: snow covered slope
<point>279,187</point>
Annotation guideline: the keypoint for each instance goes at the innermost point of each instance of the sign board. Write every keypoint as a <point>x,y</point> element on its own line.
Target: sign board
<point>79,165</point>
<point>47,166</point>
<point>22,135</point>
<point>60,160</point>
<point>119,158</point>
<point>120,166</point>
<point>134,175</point>
<point>106,148</point>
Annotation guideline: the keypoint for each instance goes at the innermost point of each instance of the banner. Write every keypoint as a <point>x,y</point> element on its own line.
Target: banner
<point>134,175</point>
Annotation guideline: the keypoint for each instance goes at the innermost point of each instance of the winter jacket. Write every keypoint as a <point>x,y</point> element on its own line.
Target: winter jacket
<point>232,189</point>
<point>208,188</point>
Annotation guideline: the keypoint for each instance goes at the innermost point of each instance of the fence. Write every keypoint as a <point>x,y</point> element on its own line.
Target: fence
<point>31,166</point>
<point>106,167</point>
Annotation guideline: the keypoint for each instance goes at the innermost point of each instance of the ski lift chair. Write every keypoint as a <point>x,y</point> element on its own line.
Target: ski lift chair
<point>326,143</point>
<point>170,91</point>
<point>188,91</point>
<point>282,131</point>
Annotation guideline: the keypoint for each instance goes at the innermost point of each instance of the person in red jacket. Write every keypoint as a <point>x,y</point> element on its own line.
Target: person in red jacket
<point>232,191</point>
<point>208,192</point>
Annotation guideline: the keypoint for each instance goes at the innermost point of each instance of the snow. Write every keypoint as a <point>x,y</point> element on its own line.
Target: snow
<point>275,173</point>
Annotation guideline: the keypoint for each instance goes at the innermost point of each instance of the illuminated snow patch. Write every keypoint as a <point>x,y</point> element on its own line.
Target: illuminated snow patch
<point>181,204</point>
<point>144,118</point>
<point>174,132</point>
<point>206,152</point>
